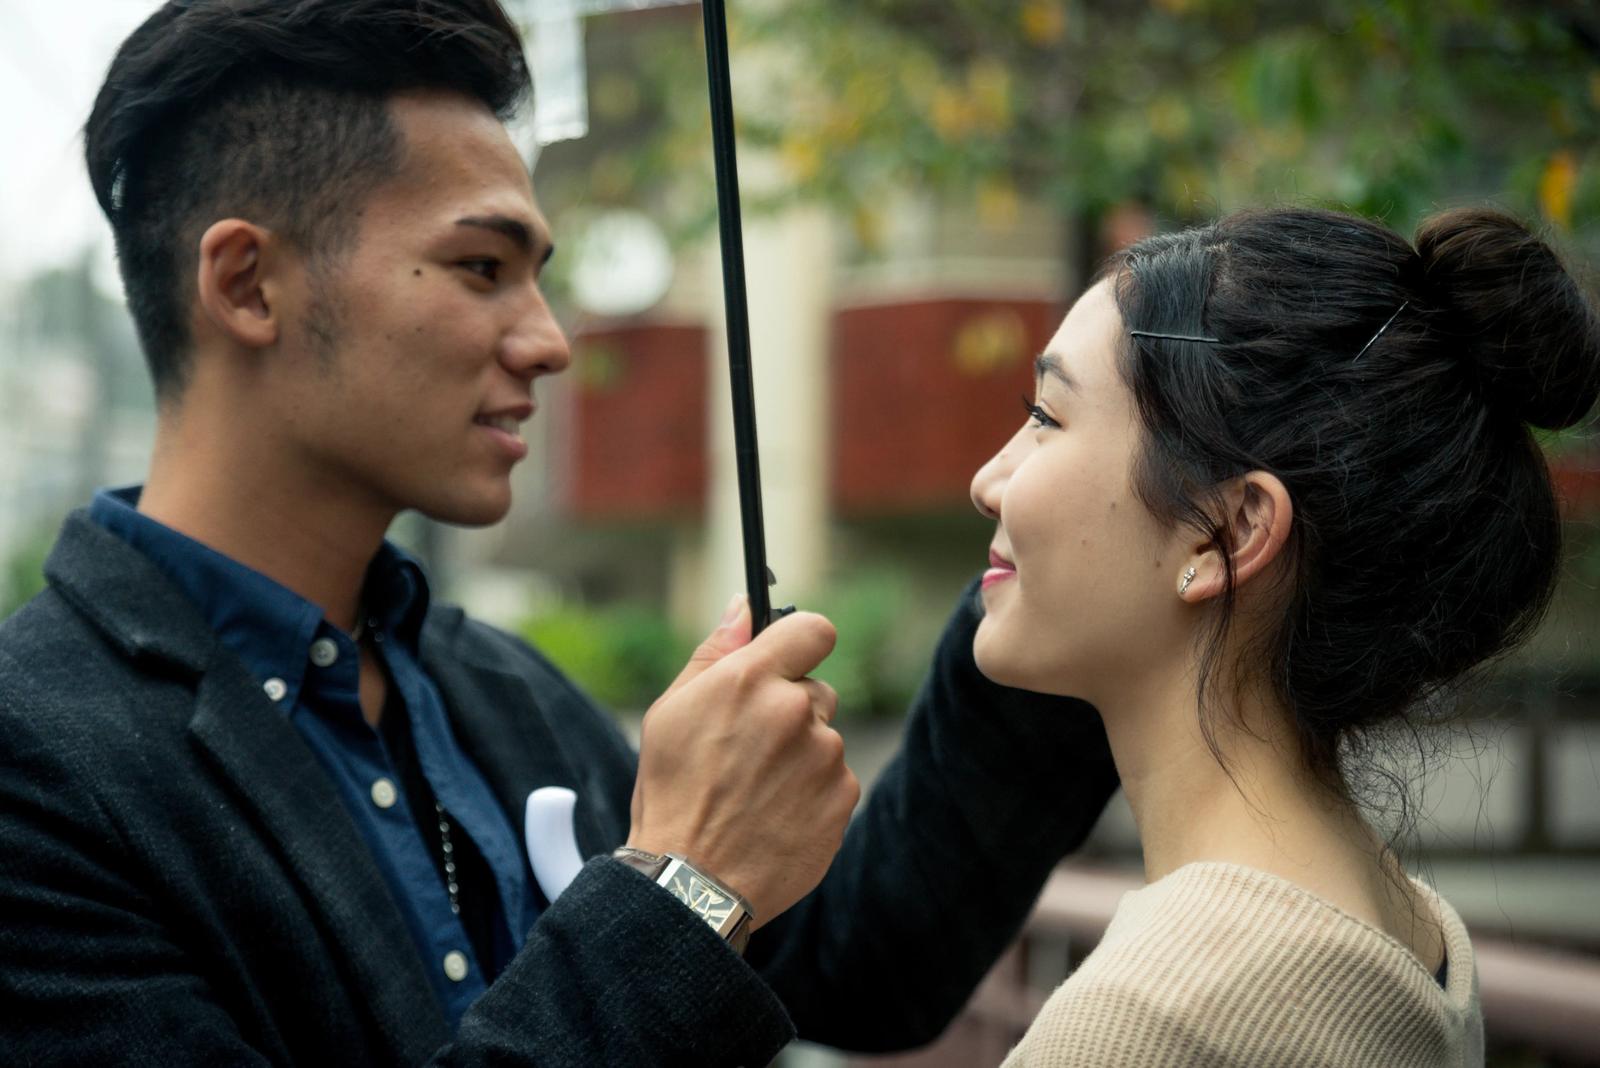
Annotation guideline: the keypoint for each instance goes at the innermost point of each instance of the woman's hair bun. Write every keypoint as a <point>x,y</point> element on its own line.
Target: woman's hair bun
<point>1525,323</point>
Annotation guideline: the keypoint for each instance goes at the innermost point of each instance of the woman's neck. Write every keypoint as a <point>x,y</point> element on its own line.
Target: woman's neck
<point>1250,801</point>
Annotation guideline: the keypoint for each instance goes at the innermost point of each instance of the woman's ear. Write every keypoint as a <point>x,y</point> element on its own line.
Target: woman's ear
<point>233,287</point>
<point>1257,518</point>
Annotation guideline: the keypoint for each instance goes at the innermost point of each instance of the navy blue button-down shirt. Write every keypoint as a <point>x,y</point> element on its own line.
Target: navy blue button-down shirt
<point>285,642</point>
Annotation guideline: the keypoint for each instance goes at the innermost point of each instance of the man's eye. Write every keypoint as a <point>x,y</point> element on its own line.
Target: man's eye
<point>1040,417</point>
<point>485,268</point>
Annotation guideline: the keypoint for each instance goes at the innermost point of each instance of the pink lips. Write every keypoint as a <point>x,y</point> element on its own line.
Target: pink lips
<point>1000,569</point>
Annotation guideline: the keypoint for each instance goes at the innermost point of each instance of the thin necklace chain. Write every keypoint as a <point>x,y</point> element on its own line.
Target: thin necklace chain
<point>448,849</point>
<point>446,845</point>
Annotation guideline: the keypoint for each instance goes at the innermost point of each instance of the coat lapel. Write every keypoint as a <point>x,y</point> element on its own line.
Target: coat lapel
<point>144,615</point>
<point>279,778</point>
<point>502,726</point>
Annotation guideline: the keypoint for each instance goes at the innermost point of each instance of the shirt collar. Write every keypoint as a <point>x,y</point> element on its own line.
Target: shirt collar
<point>269,625</point>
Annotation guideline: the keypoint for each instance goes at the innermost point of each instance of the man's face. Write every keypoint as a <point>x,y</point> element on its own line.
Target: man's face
<point>405,383</point>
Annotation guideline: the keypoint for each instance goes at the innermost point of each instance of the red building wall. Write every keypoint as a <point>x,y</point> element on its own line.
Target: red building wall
<point>923,392</point>
<point>638,439</point>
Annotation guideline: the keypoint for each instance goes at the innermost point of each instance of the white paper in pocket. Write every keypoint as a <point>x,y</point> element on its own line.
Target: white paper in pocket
<point>552,840</point>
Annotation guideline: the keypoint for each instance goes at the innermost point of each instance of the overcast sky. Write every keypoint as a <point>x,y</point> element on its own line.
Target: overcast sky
<point>53,54</point>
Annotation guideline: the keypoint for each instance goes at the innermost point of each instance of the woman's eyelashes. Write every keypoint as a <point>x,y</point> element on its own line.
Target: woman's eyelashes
<point>1041,418</point>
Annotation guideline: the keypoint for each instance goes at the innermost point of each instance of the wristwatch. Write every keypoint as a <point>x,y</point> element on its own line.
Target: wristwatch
<point>726,912</point>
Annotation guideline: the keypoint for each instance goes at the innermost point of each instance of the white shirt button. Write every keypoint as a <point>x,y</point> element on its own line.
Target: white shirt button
<point>276,689</point>
<point>455,966</point>
<point>384,795</point>
<point>324,652</point>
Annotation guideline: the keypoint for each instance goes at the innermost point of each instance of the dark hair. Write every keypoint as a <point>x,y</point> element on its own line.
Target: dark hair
<point>274,110</point>
<point>1425,537</point>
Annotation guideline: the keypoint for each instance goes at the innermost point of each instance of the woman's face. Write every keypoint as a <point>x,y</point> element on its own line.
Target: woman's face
<point>1081,595</point>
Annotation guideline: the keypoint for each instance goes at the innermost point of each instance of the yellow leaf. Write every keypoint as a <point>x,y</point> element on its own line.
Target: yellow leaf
<point>803,156</point>
<point>953,115</point>
<point>868,93</point>
<point>997,203</point>
<point>868,227</point>
<point>989,343</point>
<point>1169,117</point>
<point>1043,21</point>
<point>989,85</point>
<point>1556,184</point>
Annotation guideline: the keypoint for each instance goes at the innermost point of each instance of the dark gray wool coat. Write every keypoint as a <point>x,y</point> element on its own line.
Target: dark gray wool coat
<point>179,883</point>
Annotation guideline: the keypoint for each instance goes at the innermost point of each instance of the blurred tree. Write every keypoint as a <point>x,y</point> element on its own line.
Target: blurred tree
<point>1186,107</point>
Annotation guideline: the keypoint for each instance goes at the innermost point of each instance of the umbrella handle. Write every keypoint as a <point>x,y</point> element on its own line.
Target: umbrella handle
<point>758,576</point>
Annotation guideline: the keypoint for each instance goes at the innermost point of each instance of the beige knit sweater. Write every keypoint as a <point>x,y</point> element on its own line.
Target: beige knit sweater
<point>1218,964</point>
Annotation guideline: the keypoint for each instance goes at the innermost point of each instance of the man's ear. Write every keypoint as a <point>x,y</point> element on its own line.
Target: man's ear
<point>1258,516</point>
<point>234,288</point>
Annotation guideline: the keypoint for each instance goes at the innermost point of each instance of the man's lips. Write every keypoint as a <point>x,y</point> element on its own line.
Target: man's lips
<point>505,425</point>
<point>1000,569</point>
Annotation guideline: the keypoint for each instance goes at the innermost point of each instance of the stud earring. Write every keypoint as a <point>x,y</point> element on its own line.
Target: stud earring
<point>1188,577</point>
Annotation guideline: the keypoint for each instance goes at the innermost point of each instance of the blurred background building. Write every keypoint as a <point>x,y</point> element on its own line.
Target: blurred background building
<point>928,183</point>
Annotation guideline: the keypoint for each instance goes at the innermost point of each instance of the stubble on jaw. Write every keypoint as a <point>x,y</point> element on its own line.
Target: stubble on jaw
<point>325,315</point>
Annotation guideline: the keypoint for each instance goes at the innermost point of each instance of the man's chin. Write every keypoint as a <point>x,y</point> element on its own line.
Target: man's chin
<point>464,511</point>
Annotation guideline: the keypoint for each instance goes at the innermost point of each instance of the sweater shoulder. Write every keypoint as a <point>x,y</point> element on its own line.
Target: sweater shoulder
<point>1225,966</point>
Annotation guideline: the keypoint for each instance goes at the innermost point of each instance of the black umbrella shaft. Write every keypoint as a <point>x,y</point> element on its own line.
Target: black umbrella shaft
<point>738,315</point>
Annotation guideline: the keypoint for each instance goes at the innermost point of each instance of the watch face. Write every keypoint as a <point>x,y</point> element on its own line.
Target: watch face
<point>705,899</point>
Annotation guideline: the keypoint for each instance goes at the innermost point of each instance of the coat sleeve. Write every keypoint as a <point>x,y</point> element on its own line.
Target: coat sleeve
<point>617,971</point>
<point>938,872</point>
<point>94,969</point>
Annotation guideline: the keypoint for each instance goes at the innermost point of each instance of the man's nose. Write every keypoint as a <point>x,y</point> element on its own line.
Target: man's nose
<point>536,346</point>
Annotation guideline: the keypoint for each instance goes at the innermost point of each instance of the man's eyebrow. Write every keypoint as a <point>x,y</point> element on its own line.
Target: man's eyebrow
<point>517,231</point>
<point>1050,364</point>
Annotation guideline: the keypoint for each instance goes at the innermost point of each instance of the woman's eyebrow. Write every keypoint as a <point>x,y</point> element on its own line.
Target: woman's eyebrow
<point>1050,364</point>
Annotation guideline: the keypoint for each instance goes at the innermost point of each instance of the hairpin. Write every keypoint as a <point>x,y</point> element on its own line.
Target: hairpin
<point>1381,329</point>
<point>1218,341</point>
<point>1175,337</point>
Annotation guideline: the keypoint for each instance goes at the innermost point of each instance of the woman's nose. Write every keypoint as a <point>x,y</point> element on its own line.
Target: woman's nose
<point>988,484</point>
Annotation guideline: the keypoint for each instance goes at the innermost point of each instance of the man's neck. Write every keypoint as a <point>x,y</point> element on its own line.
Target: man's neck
<point>297,528</point>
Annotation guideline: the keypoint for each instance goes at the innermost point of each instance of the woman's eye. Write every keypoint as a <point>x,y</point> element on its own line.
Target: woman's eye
<point>1040,417</point>
<point>485,268</point>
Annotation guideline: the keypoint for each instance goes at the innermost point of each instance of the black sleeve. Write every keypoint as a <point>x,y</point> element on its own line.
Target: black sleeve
<point>940,868</point>
<point>96,968</point>
<point>618,972</point>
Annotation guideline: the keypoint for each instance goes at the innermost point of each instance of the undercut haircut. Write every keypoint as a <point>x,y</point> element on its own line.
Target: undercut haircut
<point>275,111</point>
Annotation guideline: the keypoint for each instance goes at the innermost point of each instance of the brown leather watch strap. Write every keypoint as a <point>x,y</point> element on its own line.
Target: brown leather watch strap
<point>739,937</point>
<point>650,865</point>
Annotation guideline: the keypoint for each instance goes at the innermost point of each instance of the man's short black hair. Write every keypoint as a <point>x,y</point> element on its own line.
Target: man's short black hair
<point>275,111</point>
